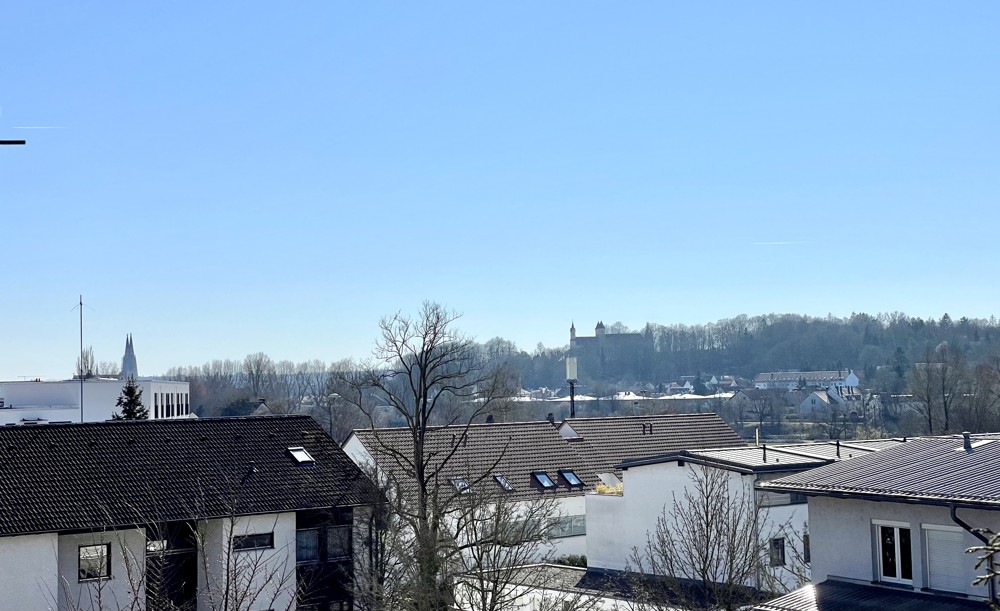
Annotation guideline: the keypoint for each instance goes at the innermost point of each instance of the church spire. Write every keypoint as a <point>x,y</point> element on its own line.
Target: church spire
<point>129,368</point>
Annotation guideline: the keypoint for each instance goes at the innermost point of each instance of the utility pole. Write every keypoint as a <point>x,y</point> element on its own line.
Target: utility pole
<point>81,358</point>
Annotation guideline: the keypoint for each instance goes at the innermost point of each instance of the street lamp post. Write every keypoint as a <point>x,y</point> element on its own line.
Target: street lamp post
<point>571,379</point>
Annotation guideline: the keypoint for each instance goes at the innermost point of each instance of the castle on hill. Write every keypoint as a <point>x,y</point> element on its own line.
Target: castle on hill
<point>611,356</point>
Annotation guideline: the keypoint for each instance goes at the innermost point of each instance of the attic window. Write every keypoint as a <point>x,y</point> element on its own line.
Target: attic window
<point>499,477</point>
<point>543,479</point>
<point>301,455</point>
<point>462,485</point>
<point>570,477</point>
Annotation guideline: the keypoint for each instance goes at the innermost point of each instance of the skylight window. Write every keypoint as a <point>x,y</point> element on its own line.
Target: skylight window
<point>462,485</point>
<point>571,477</point>
<point>301,455</point>
<point>499,477</point>
<point>544,480</point>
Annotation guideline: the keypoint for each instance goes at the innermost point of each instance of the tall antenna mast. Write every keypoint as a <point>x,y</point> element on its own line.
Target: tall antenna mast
<point>81,358</point>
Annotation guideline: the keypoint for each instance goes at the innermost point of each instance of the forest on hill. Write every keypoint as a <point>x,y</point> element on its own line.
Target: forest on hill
<point>881,348</point>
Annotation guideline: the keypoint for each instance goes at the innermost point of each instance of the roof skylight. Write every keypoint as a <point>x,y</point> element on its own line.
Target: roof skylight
<point>543,479</point>
<point>506,485</point>
<point>570,477</point>
<point>301,455</point>
<point>462,485</point>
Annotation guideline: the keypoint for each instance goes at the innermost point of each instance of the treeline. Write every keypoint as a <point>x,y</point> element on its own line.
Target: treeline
<point>883,349</point>
<point>747,345</point>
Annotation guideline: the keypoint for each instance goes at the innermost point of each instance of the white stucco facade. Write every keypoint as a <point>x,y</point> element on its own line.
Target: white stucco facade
<point>28,571</point>
<point>617,524</point>
<point>59,401</point>
<point>845,544</point>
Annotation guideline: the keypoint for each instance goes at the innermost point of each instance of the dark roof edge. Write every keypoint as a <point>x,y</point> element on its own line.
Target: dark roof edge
<point>728,465</point>
<point>910,499</point>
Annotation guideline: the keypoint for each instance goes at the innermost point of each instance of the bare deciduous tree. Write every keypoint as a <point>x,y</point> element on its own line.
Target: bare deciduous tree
<point>426,373</point>
<point>710,547</point>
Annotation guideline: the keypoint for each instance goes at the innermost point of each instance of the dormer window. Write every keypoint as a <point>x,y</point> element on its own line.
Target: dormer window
<point>543,479</point>
<point>301,456</point>
<point>570,477</point>
<point>462,485</point>
<point>503,483</point>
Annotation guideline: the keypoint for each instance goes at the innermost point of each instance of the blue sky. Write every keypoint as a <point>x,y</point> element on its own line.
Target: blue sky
<point>234,177</point>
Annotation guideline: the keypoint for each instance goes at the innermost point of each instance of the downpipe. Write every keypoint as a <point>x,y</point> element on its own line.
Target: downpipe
<point>953,510</point>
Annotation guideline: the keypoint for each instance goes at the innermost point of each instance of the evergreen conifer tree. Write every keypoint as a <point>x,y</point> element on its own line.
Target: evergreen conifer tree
<point>131,403</point>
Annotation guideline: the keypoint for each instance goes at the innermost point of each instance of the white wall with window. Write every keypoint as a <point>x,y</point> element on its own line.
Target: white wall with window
<point>618,523</point>
<point>262,560</point>
<point>912,545</point>
<point>59,401</point>
<point>105,566</point>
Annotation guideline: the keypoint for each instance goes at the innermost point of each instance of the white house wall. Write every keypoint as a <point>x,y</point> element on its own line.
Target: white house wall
<point>126,584</point>
<point>60,401</point>
<point>618,524</point>
<point>29,568</point>
<point>268,573</point>
<point>841,537</point>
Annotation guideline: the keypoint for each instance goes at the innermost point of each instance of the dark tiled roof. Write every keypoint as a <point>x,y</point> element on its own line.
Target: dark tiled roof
<point>929,470</point>
<point>607,442</point>
<point>842,596</point>
<point>62,477</point>
<point>513,449</point>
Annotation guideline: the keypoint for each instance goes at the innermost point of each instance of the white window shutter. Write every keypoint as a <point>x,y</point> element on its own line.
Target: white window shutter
<point>946,561</point>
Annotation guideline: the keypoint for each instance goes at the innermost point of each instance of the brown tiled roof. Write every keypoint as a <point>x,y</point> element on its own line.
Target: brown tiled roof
<point>60,477</point>
<point>513,449</point>
<point>607,442</point>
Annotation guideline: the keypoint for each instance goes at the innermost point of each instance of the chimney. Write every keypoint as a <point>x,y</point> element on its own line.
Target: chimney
<point>967,441</point>
<point>489,419</point>
<point>765,452</point>
<point>838,448</point>
<point>551,418</point>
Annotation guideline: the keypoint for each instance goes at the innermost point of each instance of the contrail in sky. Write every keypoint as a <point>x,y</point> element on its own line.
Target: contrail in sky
<point>38,127</point>
<point>774,243</point>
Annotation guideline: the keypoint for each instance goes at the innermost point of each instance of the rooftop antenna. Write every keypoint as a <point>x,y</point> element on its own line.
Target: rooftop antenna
<point>81,374</point>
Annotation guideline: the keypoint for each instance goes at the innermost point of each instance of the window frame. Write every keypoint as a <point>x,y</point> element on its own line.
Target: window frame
<point>877,526</point>
<point>566,474</point>
<point>503,482</point>
<point>107,562</point>
<point>538,475</point>
<point>776,552</point>
<point>462,485</point>
<point>238,542</point>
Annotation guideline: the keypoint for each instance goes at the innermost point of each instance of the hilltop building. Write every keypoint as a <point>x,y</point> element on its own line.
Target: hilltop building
<point>605,355</point>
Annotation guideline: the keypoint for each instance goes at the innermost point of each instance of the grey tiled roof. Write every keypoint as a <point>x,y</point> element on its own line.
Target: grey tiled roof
<point>607,442</point>
<point>842,596</point>
<point>513,449</point>
<point>929,469</point>
<point>61,477</point>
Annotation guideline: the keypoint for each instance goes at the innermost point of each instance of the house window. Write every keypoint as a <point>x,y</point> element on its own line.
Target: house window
<point>806,553</point>
<point>543,479</point>
<point>245,543</point>
<point>462,485</point>
<point>777,551</point>
<point>502,481</point>
<point>570,477</point>
<point>95,561</point>
<point>338,542</point>
<point>894,552</point>
<point>307,545</point>
<point>568,526</point>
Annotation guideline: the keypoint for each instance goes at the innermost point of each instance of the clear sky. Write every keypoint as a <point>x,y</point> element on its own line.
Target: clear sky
<point>226,178</point>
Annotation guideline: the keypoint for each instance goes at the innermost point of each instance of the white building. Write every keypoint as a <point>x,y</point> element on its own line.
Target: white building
<point>891,530</point>
<point>40,402</point>
<point>617,524</point>
<point>263,511</point>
